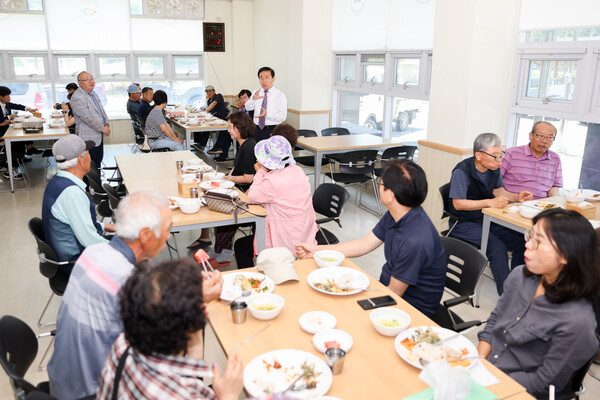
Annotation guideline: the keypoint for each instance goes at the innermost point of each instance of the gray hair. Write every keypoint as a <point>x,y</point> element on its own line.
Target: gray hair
<point>542,122</point>
<point>140,210</point>
<point>69,163</point>
<point>485,141</point>
<point>81,73</point>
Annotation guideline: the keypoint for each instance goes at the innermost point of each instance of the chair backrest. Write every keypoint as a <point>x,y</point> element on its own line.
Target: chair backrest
<point>36,228</point>
<point>445,193</point>
<point>307,133</point>
<point>576,382</point>
<point>358,162</point>
<point>399,153</point>
<point>465,265</point>
<point>136,124</point>
<point>329,199</point>
<point>113,197</point>
<point>335,131</point>
<point>95,182</point>
<point>18,348</point>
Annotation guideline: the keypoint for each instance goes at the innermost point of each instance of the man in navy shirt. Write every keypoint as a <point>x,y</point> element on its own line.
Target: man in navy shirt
<point>415,260</point>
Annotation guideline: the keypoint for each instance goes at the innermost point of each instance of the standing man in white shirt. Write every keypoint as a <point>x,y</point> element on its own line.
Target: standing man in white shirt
<point>269,105</point>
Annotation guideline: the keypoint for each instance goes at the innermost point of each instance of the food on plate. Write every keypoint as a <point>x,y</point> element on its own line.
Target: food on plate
<point>545,205</point>
<point>249,284</point>
<point>215,184</point>
<point>421,346</point>
<point>173,201</point>
<point>330,286</point>
<point>332,344</point>
<point>328,259</point>
<point>389,322</point>
<point>264,307</point>
<point>277,376</point>
<point>596,196</point>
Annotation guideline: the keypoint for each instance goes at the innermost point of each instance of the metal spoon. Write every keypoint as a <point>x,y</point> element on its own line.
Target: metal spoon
<point>294,386</point>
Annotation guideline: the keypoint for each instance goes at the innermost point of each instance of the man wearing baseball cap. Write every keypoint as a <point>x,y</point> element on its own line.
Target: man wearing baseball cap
<point>215,105</point>
<point>68,213</point>
<point>133,103</point>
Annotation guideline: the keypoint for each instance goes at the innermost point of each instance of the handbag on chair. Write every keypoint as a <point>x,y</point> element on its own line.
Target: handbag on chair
<point>225,201</point>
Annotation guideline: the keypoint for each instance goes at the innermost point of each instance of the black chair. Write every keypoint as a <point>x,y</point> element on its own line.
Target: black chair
<point>335,131</point>
<point>113,197</point>
<point>395,153</point>
<point>576,387</point>
<point>446,213</point>
<point>328,200</point>
<point>18,349</point>
<point>357,168</point>
<point>308,161</point>
<point>465,266</point>
<point>138,133</point>
<point>49,265</point>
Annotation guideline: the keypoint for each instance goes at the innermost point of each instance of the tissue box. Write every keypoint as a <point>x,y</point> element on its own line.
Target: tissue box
<point>184,188</point>
<point>587,211</point>
<point>33,124</point>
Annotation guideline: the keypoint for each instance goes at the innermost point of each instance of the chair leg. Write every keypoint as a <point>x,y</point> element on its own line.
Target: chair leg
<point>39,323</point>
<point>41,365</point>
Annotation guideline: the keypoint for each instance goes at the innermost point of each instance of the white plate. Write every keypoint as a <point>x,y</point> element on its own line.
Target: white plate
<point>207,185</point>
<point>173,199</point>
<point>197,168</point>
<point>315,321</point>
<point>537,204</point>
<point>217,122</point>
<point>589,195</point>
<point>459,342</point>
<point>230,292</point>
<point>258,379</point>
<point>328,335</point>
<point>321,275</point>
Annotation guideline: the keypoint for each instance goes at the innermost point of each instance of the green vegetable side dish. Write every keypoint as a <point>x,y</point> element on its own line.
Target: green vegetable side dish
<point>328,259</point>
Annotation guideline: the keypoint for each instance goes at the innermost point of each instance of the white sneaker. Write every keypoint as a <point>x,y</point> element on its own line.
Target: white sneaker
<point>16,174</point>
<point>225,256</point>
<point>212,254</point>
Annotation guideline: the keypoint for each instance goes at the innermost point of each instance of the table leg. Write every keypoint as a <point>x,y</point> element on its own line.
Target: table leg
<point>485,234</point>
<point>318,159</point>
<point>260,234</point>
<point>9,163</point>
<point>187,139</point>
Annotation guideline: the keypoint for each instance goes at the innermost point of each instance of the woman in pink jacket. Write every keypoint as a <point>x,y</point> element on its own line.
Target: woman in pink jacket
<point>283,189</point>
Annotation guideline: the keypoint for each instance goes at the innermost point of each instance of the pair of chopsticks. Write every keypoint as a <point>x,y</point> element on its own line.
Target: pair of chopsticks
<point>202,257</point>
<point>248,339</point>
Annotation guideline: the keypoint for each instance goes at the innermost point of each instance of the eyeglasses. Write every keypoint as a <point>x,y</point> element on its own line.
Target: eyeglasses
<point>544,138</point>
<point>380,182</point>
<point>497,158</point>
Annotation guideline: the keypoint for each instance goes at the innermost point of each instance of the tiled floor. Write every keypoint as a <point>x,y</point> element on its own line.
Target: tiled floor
<point>23,291</point>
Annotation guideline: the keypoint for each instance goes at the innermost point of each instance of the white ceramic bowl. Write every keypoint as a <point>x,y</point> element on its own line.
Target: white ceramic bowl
<point>575,197</point>
<point>528,212</point>
<point>268,300</point>
<point>328,258</point>
<point>214,176</point>
<point>389,314</point>
<point>315,321</point>
<point>193,121</point>
<point>189,206</point>
<point>19,119</point>
<point>195,161</point>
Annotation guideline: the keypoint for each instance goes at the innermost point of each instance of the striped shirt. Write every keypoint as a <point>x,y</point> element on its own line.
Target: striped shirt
<point>158,377</point>
<point>522,170</point>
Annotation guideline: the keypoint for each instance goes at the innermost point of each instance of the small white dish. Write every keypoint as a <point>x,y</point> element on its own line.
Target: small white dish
<point>174,202</point>
<point>574,197</point>
<point>328,258</point>
<point>332,335</point>
<point>190,206</point>
<point>265,306</point>
<point>382,318</point>
<point>315,321</point>
<point>216,184</point>
<point>214,176</point>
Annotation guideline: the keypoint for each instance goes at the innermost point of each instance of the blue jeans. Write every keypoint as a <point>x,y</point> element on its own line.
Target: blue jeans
<point>500,242</point>
<point>165,143</point>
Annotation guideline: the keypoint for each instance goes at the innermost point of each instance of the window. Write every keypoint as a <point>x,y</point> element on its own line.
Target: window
<point>112,67</point>
<point>28,67</point>
<point>150,66</point>
<point>560,35</point>
<point>188,66</point>
<point>346,69</point>
<point>373,68</point>
<point>70,66</point>
<point>35,5</point>
<point>28,94</point>
<point>551,79</point>
<point>407,72</point>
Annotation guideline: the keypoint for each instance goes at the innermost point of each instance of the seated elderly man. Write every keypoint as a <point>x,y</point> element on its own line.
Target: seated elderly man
<point>533,167</point>
<point>133,102</point>
<point>88,319</point>
<point>415,260</point>
<point>68,213</point>
<point>476,183</point>
<point>162,349</point>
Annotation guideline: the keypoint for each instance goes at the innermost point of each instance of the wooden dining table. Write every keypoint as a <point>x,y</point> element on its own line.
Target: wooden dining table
<point>372,368</point>
<point>322,145</point>
<point>187,130</point>
<point>19,135</point>
<point>158,172</point>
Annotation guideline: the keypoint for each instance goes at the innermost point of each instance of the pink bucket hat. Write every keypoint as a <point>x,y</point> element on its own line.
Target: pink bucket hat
<point>274,153</point>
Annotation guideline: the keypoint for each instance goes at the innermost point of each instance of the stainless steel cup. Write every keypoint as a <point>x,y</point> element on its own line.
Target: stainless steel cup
<point>179,165</point>
<point>239,309</point>
<point>194,193</point>
<point>335,359</point>
<point>200,176</point>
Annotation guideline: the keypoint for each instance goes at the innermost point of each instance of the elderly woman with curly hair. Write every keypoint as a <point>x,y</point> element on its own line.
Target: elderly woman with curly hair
<point>543,327</point>
<point>161,352</point>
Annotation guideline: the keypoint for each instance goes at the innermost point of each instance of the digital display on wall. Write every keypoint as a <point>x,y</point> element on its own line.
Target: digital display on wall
<point>214,36</point>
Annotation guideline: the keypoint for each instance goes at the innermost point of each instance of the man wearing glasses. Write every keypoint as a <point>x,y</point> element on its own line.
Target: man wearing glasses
<point>91,120</point>
<point>476,183</point>
<point>533,167</point>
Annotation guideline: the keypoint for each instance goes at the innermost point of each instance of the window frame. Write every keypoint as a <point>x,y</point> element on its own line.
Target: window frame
<point>190,76</point>
<point>73,76</point>
<point>338,65</point>
<point>113,77</point>
<point>12,74</point>
<point>151,77</point>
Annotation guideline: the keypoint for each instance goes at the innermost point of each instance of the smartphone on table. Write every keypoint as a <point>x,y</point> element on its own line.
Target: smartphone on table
<point>376,302</point>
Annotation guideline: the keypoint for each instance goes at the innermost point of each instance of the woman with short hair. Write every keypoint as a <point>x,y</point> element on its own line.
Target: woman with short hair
<point>543,327</point>
<point>159,132</point>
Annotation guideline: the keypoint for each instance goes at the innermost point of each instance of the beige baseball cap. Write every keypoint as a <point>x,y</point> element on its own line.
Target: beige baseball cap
<point>278,264</point>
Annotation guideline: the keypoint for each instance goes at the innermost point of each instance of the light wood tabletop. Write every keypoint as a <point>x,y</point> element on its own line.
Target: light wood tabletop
<point>152,165</point>
<point>322,145</point>
<point>372,368</point>
<point>187,130</point>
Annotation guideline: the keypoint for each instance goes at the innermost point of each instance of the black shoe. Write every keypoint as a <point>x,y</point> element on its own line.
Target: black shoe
<point>221,159</point>
<point>25,159</point>
<point>215,151</point>
<point>16,175</point>
<point>200,244</point>
<point>33,150</point>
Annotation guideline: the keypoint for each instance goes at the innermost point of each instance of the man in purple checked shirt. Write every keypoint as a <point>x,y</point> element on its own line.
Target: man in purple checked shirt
<point>269,105</point>
<point>533,167</point>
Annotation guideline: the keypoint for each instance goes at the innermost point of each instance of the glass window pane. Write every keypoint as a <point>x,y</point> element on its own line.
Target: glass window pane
<point>150,65</point>
<point>407,71</point>
<point>187,65</point>
<point>180,92</point>
<point>554,79</point>
<point>136,7</point>
<point>361,113</point>
<point>374,73</point>
<point>71,65</point>
<point>373,58</point>
<point>587,34</point>
<point>28,94</point>
<point>35,5</point>
<point>347,69</point>
<point>29,66</point>
<point>409,119</point>
<point>112,65</point>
